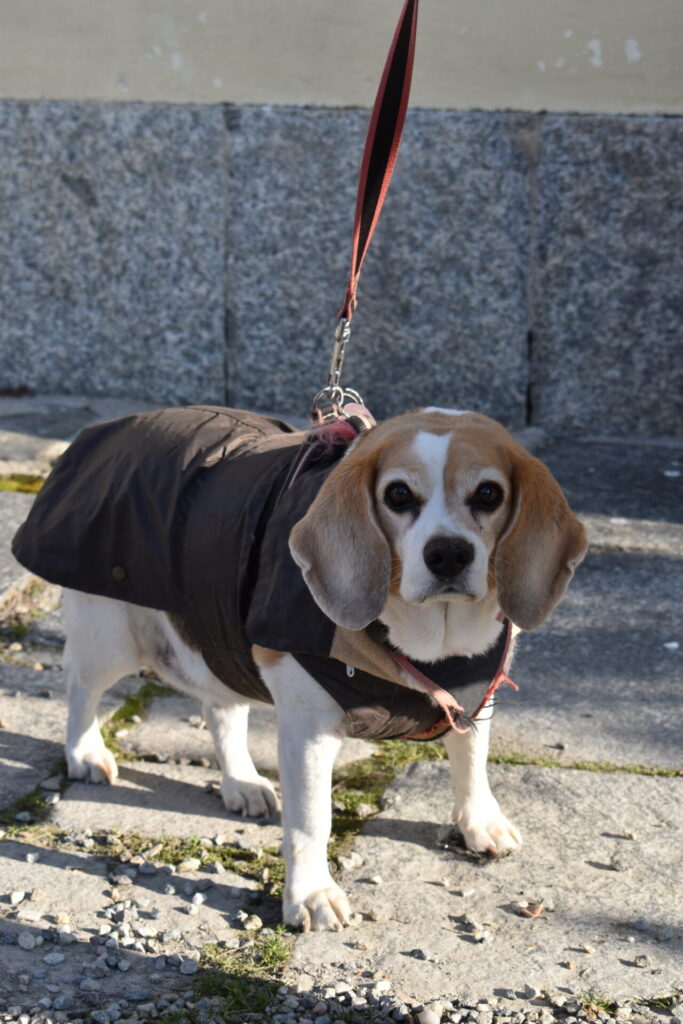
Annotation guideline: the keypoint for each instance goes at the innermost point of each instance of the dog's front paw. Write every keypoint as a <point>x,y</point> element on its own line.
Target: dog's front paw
<point>322,910</point>
<point>96,765</point>
<point>487,830</point>
<point>252,798</point>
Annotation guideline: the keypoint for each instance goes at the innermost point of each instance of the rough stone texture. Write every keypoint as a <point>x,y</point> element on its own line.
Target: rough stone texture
<point>574,823</point>
<point>442,301</point>
<point>194,253</point>
<point>75,882</point>
<point>609,286</point>
<point>113,221</point>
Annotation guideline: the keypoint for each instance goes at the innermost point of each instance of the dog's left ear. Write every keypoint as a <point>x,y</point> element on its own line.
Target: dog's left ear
<point>540,548</point>
<point>341,549</point>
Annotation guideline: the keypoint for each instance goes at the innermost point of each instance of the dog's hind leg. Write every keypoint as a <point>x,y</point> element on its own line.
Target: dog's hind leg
<point>99,651</point>
<point>244,791</point>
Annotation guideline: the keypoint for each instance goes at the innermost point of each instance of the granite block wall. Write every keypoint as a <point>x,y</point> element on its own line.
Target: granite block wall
<point>530,266</point>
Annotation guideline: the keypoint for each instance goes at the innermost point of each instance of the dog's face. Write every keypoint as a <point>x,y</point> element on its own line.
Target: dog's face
<point>438,506</point>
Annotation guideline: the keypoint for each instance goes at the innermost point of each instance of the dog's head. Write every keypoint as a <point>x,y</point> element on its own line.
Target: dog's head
<point>433,506</point>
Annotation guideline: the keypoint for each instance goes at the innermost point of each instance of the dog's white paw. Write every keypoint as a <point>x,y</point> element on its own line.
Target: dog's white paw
<point>487,830</point>
<point>95,765</point>
<point>322,910</point>
<point>252,798</point>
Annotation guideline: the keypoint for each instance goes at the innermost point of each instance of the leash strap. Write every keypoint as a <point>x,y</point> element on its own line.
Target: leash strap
<point>381,145</point>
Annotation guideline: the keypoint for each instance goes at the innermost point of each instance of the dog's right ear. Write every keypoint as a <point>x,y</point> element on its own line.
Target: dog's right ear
<point>341,549</point>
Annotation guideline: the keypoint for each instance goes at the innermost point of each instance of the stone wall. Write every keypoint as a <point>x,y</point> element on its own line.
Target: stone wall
<point>530,266</point>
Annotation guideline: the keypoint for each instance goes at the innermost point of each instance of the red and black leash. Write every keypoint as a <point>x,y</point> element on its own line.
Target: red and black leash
<point>379,157</point>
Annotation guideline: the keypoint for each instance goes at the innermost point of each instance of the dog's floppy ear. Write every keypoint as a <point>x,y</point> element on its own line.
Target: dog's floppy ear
<point>340,548</point>
<point>540,548</point>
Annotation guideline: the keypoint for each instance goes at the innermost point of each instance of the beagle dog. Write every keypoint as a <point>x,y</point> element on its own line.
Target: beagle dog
<point>435,524</point>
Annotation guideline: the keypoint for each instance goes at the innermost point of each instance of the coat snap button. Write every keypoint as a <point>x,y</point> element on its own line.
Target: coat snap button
<point>119,573</point>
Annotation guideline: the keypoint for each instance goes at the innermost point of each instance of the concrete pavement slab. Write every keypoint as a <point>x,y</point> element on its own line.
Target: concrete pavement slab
<point>14,507</point>
<point>157,800</point>
<point>443,921</point>
<point>173,727</point>
<point>33,724</point>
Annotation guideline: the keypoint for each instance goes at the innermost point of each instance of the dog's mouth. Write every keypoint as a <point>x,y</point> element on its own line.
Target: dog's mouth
<point>446,592</point>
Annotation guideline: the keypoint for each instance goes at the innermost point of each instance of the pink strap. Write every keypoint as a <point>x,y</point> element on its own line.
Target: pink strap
<point>447,701</point>
<point>443,698</point>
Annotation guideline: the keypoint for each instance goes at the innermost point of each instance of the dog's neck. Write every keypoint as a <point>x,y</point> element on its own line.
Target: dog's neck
<point>441,629</point>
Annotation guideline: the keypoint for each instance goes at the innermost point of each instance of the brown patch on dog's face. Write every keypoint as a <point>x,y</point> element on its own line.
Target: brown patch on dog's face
<point>437,506</point>
<point>442,497</point>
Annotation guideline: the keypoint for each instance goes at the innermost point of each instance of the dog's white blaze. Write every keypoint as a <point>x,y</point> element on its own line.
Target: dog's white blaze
<point>447,412</point>
<point>432,450</point>
<point>433,520</point>
<point>436,519</point>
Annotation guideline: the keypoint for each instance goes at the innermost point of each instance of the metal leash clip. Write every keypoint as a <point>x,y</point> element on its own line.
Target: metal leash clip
<point>328,404</point>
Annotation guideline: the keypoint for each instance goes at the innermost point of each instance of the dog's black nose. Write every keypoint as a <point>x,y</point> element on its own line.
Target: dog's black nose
<point>446,557</point>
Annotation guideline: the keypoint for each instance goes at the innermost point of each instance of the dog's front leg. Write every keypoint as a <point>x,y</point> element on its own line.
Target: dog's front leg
<point>483,825</point>
<point>309,737</point>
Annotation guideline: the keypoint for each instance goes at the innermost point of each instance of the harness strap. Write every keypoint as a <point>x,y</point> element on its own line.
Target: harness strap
<point>448,703</point>
<point>381,145</point>
<point>443,698</point>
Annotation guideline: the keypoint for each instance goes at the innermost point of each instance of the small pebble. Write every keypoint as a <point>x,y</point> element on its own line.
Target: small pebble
<point>375,879</point>
<point>349,862</point>
<point>253,923</point>
<point>189,966</point>
<point>53,783</point>
<point>23,816</point>
<point>643,961</point>
<point>16,897</point>
<point>189,864</point>
<point>52,959</point>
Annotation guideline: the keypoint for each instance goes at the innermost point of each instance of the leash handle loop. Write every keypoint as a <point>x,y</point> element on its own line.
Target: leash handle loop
<point>381,145</point>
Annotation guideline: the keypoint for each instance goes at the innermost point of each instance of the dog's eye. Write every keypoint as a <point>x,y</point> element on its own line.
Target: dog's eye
<point>487,497</point>
<point>399,497</point>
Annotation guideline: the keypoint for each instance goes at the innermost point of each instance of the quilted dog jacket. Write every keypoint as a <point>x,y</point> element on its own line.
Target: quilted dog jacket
<point>189,511</point>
